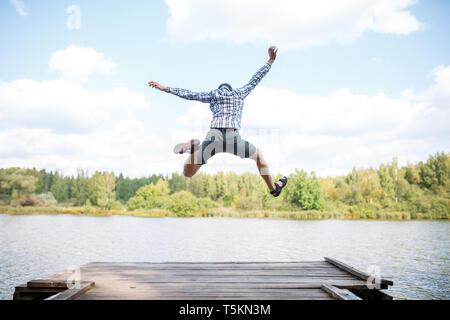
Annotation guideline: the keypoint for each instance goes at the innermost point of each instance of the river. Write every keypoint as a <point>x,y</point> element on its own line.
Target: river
<point>414,254</point>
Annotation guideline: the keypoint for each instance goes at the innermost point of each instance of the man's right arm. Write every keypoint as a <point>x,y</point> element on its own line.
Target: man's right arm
<point>183,93</point>
<point>190,95</point>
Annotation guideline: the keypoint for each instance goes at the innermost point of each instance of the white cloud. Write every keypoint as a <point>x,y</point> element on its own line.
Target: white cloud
<point>431,114</point>
<point>333,134</point>
<point>128,147</point>
<point>288,23</point>
<point>79,129</point>
<point>341,112</point>
<point>77,63</point>
<point>20,7</point>
<point>66,106</point>
<point>60,125</point>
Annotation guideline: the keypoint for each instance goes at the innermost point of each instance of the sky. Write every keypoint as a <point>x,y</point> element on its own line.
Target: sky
<point>355,84</point>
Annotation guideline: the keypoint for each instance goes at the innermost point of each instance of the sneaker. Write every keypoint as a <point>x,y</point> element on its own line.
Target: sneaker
<point>279,187</point>
<point>187,147</point>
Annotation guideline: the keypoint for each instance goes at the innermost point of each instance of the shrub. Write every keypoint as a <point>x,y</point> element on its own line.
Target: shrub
<point>46,199</point>
<point>87,209</point>
<point>248,203</point>
<point>207,203</point>
<point>157,202</point>
<point>117,205</point>
<point>184,204</point>
<point>28,201</point>
<point>4,199</point>
<point>150,196</point>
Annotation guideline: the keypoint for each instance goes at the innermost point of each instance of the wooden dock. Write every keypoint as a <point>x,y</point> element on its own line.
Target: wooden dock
<point>309,280</point>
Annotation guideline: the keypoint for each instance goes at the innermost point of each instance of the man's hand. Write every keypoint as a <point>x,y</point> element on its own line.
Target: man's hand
<point>272,54</point>
<point>156,85</point>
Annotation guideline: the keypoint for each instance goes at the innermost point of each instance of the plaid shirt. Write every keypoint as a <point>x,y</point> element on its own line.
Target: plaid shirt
<point>226,106</point>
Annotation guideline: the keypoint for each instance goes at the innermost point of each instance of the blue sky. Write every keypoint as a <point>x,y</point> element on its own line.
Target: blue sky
<point>197,51</point>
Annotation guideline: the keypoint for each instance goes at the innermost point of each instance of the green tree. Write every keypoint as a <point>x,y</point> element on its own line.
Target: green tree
<point>411,174</point>
<point>80,188</point>
<point>150,196</point>
<point>435,173</point>
<point>387,183</point>
<point>196,187</point>
<point>60,187</point>
<point>328,189</point>
<point>19,185</point>
<point>103,185</point>
<point>304,191</point>
<point>369,185</point>
<point>177,183</point>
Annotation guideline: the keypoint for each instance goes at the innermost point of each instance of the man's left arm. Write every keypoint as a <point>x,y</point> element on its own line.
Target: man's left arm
<point>255,80</point>
<point>257,77</point>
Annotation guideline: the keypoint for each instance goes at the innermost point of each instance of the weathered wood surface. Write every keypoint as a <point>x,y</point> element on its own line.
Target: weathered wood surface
<point>362,275</point>
<point>243,280</point>
<point>74,293</point>
<point>340,294</point>
<point>209,280</point>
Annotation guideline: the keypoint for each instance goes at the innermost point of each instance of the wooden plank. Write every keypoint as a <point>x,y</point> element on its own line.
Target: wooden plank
<point>339,293</point>
<point>234,275</point>
<point>307,294</point>
<point>228,278</point>
<point>192,265</point>
<point>205,286</point>
<point>237,279</point>
<point>47,283</point>
<point>120,297</point>
<point>22,292</point>
<point>297,273</point>
<point>25,288</point>
<point>211,263</point>
<point>215,291</point>
<point>357,273</point>
<point>262,268</point>
<point>206,268</point>
<point>72,294</point>
<point>305,285</point>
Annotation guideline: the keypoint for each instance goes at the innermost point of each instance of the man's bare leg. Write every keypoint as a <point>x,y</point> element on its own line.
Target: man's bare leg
<point>190,168</point>
<point>263,169</point>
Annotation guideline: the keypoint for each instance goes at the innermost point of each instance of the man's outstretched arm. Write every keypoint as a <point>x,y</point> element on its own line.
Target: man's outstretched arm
<point>257,77</point>
<point>182,93</point>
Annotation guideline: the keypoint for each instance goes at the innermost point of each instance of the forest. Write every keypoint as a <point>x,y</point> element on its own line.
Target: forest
<point>414,191</point>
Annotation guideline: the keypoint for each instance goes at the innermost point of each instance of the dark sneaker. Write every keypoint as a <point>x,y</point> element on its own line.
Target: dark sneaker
<point>279,185</point>
<point>187,147</point>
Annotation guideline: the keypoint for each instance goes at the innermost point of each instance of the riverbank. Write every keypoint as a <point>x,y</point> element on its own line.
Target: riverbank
<point>214,212</point>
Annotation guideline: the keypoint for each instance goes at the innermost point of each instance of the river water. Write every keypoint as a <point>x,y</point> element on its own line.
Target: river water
<point>414,254</point>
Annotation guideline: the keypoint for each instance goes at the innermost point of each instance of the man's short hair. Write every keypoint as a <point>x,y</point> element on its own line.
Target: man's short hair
<point>226,85</point>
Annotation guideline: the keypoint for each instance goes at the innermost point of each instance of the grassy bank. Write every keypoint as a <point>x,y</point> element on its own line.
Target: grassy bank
<point>214,212</point>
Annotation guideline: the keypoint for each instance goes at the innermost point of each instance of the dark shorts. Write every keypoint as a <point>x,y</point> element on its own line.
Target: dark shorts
<point>224,140</point>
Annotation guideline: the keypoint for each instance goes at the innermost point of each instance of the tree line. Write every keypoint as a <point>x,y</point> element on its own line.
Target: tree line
<point>423,189</point>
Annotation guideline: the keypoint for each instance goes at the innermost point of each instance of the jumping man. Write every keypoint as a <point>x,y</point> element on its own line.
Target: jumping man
<point>226,105</point>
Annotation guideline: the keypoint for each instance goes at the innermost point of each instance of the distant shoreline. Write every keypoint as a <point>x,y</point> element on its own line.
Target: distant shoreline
<point>215,212</point>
